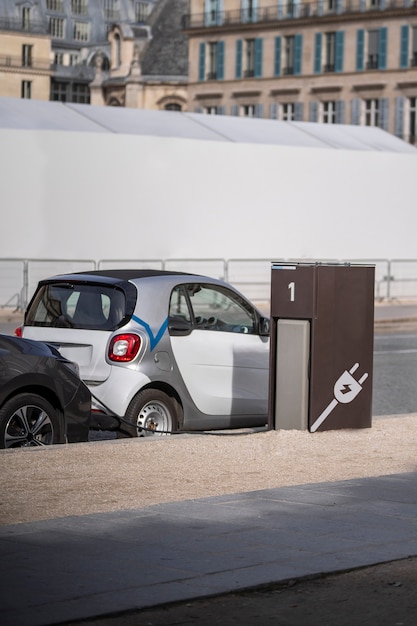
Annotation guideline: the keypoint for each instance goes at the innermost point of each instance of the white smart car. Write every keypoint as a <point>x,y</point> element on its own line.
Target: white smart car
<point>161,352</point>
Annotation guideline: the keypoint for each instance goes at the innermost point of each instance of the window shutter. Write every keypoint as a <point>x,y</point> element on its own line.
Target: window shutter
<point>320,7</point>
<point>239,48</point>
<point>404,46</point>
<point>360,44</point>
<point>277,64</point>
<point>356,111</point>
<point>340,112</point>
<point>202,62</point>
<point>384,113</point>
<point>235,109</point>
<point>220,60</point>
<point>298,53</point>
<point>280,13</point>
<point>314,111</point>
<point>273,111</point>
<point>339,6</point>
<point>382,48</point>
<point>299,111</point>
<point>198,110</point>
<point>399,117</point>
<point>363,5</point>
<point>317,53</point>
<point>259,110</point>
<point>221,110</point>
<point>258,57</point>
<point>340,43</point>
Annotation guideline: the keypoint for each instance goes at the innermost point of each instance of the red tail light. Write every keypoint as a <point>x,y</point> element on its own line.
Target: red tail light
<point>18,331</point>
<point>124,348</point>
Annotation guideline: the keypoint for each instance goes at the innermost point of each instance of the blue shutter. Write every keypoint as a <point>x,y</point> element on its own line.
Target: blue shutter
<point>259,110</point>
<point>360,46</point>
<point>317,53</point>
<point>405,29</point>
<point>339,6</point>
<point>363,5</point>
<point>340,43</point>
<point>382,48</point>
<point>314,111</point>
<point>239,49</point>
<point>383,120</point>
<point>198,110</point>
<point>280,12</point>
<point>320,7</point>
<point>298,53</point>
<point>273,111</point>
<point>356,111</point>
<point>202,62</point>
<point>220,60</point>
<point>277,64</point>
<point>258,57</point>
<point>340,112</point>
<point>399,117</point>
<point>235,109</point>
<point>299,111</point>
<point>221,110</point>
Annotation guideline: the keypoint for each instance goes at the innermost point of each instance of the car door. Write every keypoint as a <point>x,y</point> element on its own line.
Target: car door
<point>223,360</point>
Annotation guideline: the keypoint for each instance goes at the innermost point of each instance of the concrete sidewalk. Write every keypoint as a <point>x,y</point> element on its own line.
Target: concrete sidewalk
<point>72,568</point>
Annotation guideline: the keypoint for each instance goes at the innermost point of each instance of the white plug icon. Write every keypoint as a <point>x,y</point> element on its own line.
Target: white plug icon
<point>345,390</point>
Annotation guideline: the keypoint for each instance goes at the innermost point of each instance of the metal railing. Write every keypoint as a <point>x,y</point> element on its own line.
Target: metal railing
<point>395,279</point>
<point>291,10</point>
<point>7,60</point>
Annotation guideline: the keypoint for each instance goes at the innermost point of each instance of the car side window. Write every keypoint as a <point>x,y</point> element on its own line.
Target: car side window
<point>217,308</point>
<point>178,305</point>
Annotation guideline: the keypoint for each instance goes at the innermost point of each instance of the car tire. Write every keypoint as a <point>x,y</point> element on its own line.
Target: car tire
<point>151,413</point>
<point>28,420</point>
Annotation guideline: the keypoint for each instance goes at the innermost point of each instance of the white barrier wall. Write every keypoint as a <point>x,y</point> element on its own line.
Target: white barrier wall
<point>91,195</point>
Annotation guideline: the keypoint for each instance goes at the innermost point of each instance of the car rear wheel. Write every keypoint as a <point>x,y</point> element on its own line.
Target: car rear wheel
<point>28,420</point>
<point>152,413</point>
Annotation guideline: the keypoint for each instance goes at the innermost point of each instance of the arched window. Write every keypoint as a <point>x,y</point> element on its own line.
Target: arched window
<point>172,106</point>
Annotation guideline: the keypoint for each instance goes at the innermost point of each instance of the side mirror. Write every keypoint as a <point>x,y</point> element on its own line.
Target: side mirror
<point>264,327</point>
<point>179,327</point>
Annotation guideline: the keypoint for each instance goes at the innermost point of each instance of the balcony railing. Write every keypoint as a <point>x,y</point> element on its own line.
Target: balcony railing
<point>19,25</point>
<point>9,61</point>
<point>372,63</point>
<point>289,10</point>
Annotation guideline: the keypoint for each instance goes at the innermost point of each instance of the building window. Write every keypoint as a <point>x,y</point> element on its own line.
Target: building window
<point>27,55</point>
<point>372,112</point>
<point>213,13</point>
<point>81,31</point>
<point>288,111</point>
<point>249,12</point>
<point>329,112</point>
<point>74,59</point>
<point>80,93</point>
<point>26,91</point>
<point>249,61</point>
<point>371,49</point>
<point>59,92</point>
<point>412,121</point>
<point>56,27</point>
<point>54,5</point>
<point>330,52</point>
<point>141,11</point>
<point>211,110</point>
<point>173,106</point>
<point>79,7</point>
<point>59,58</point>
<point>111,9</point>
<point>212,67</point>
<point>26,18</point>
<point>289,48</point>
<point>247,110</point>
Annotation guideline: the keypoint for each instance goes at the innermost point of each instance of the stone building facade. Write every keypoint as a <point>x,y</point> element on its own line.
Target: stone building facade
<point>330,61</point>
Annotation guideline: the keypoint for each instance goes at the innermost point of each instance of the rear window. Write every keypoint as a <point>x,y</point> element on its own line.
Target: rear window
<point>93,307</point>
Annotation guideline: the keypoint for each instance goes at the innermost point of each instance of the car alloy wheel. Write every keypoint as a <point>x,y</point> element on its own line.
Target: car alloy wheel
<point>28,420</point>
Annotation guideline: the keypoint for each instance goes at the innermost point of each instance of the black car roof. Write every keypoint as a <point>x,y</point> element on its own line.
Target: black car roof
<point>113,276</point>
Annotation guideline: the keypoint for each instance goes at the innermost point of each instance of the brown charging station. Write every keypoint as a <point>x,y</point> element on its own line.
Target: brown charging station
<point>322,332</point>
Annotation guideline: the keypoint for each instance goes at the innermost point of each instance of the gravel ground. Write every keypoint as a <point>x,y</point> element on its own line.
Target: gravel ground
<point>77,479</point>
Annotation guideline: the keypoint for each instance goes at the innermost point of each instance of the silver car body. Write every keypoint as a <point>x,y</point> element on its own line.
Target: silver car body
<point>220,378</point>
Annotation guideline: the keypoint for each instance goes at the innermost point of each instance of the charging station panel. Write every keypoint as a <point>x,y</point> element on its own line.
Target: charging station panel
<point>321,371</point>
